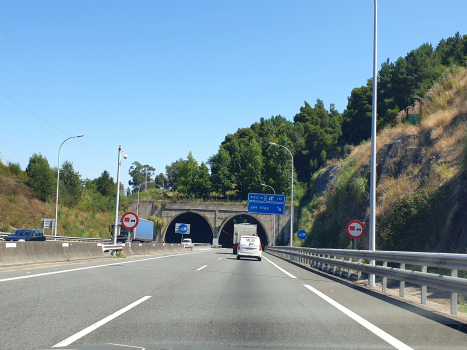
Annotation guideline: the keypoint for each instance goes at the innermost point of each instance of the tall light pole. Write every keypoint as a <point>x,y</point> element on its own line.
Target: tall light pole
<point>291,199</point>
<point>273,217</point>
<point>58,181</point>
<point>372,235</point>
<point>125,156</point>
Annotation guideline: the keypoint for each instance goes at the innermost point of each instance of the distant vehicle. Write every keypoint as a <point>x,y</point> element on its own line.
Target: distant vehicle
<point>243,230</point>
<point>144,232</point>
<point>22,235</point>
<point>187,243</point>
<point>249,247</point>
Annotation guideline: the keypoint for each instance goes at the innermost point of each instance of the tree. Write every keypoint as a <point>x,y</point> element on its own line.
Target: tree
<point>277,166</point>
<point>139,173</point>
<point>105,184</point>
<point>357,117</point>
<point>188,175</point>
<point>41,178</point>
<point>160,181</point>
<point>221,177</point>
<point>249,178</point>
<point>71,185</point>
<point>202,183</point>
<point>173,174</point>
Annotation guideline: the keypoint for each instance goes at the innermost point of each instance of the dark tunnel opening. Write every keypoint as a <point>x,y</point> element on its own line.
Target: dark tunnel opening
<point>201,231</point>
<point>226,234</point>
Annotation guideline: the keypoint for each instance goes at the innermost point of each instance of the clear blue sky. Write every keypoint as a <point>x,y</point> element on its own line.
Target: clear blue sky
<point>162,78</point>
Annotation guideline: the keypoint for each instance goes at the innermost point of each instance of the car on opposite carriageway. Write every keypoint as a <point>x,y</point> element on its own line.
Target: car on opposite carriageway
<point>26,235</point>
<point>187,243</point>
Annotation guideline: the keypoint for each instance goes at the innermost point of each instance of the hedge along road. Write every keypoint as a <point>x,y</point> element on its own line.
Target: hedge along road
<point>208,299</point>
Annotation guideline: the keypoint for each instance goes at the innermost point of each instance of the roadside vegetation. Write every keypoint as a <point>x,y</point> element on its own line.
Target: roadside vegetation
<point>25,200</point>
<point>416,207</point>
<point>318,136</point>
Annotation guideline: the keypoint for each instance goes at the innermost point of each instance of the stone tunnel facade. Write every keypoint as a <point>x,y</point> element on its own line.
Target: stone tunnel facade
<point>217,215</point>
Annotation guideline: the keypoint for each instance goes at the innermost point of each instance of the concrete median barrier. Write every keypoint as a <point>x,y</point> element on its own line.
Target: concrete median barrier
<point>151,248</point>
<point>24,253</point>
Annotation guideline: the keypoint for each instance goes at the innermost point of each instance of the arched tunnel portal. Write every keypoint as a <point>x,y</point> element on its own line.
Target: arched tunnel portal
<point>200,229</point>
<point>227,229</point>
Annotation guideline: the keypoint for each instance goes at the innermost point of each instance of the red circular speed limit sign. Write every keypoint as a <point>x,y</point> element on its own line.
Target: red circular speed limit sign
<point>355,229</point>
<point>130,220</point>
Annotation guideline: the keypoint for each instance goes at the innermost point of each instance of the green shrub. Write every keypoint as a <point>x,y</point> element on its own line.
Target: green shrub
<point>402,226</point>
<point>359,189</point>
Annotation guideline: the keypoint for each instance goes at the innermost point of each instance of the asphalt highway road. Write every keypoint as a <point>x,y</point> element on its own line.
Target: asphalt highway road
<point>206,300</point>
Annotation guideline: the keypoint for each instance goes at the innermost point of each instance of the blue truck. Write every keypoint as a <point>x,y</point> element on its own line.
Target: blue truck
<point>144,232</point>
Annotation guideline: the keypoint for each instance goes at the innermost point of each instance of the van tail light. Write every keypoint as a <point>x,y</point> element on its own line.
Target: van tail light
<point>260,248</point>
<point>238,246</point>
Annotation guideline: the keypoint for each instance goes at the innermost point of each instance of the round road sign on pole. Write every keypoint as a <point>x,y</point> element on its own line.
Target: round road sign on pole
<point>355,229</point>
<point>130,220</point>
<point>182,228</point>
<point>301,234</point>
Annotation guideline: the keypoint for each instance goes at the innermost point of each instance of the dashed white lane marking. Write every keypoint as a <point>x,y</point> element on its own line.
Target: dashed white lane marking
<point>219,259</point>
<point>371,327</point>
<point>280,268</point>
<point>202,267</point>
<point>92,267</point>
<point>96,325</point>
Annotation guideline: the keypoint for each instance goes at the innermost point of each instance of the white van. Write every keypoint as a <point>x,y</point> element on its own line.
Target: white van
<point>250,247</point>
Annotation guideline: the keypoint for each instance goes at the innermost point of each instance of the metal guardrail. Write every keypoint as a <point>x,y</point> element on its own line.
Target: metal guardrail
<point>325,259</point>
<point>66,238</point>
<point>201,246</point>
<point>112,247</point>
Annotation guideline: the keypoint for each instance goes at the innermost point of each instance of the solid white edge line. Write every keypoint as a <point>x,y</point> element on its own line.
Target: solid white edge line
<point>371,327</point>
<point>280,268</point>
<point>202,267</point>
<point>93,267</point>
<point>98,324</point>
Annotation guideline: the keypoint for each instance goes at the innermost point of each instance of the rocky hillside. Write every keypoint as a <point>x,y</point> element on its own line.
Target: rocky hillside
<point>421,182</point>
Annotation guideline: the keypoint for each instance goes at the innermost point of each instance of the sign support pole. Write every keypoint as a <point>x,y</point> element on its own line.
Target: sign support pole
<point>372,239</point>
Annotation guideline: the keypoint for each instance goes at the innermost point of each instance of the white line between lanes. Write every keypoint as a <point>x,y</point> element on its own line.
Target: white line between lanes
<point>219,259</point>
<point>280,268</point>
<point>202,267</point>
<point>92,267</point>
<point>371,327</point>
<point>96,325</point>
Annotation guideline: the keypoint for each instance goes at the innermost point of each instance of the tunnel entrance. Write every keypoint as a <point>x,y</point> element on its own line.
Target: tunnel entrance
<point>226,232</point>
<point>201,231</point>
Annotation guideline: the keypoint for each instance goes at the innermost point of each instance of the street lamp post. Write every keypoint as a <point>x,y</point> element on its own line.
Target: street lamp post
<point>125,156</point>
<point>274,217</point>
<point>291,199</point>
<point>58,180</point>
<point>372,236</point>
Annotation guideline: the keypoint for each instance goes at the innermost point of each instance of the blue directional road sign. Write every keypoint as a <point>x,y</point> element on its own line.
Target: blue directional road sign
<point>183,229</point>
<point>259,203</point>
<point>256,197</point>
<point>275,198</point>
<point>302,234</point>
